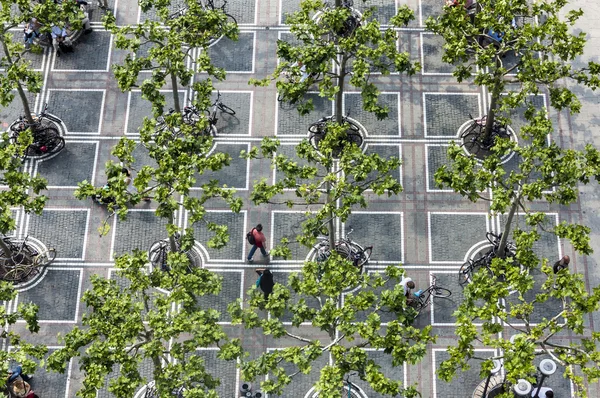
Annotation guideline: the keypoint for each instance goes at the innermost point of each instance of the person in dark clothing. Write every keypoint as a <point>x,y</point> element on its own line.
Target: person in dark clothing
<point>265,281</point>
<point>561,264</point>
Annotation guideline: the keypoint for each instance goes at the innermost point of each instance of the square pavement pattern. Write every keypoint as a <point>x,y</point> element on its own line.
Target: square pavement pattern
<point>430,230</point>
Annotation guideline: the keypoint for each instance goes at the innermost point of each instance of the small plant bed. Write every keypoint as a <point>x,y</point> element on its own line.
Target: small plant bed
<point>475,142</point>
<point>21,262</point>
<point>353,134</point>
<point>45,131</point>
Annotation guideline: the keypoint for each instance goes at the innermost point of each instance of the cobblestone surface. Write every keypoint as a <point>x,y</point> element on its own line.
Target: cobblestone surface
<point>430,230</point>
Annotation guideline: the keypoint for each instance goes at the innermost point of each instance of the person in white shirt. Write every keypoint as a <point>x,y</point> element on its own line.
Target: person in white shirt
<point>407,285</point>
<point>59,35</point>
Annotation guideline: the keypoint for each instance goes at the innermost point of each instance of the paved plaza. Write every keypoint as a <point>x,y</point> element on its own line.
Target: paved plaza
<point>429,230</point>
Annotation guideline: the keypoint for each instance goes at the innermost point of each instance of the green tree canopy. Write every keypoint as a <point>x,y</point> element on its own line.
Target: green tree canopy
<point>133,319</point>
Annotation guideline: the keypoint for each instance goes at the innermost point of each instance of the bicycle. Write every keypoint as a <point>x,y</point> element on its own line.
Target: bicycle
<point>465,274</point>
<point>474,138</point>
<point>191,115</point>
<point>46,139</point>
<point>318,130</point>
<point>158,253</point>
<point>24,260</point>
<point>350,390</point>
<point>347,248</point>
<point>423,297</point>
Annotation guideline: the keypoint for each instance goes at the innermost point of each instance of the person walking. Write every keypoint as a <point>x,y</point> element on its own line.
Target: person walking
<point>259,242</point>
<point>561,264</point>
<point>265,281</point>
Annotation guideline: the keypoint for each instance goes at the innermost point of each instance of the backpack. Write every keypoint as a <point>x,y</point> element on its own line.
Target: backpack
<point>250,237</point>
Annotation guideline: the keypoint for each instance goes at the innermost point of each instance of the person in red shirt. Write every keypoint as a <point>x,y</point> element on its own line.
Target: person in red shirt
<point>259,242</point>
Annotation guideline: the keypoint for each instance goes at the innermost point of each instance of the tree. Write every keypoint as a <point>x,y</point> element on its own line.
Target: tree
<point>352,324</point>
<point>339,35</point>
<point>21,351</point>
<point>179,145</point>
<point>129,323</point>
<point>516,41</point>
<point>17,73</point>
<point>548,174</point>
<point>357,46</point>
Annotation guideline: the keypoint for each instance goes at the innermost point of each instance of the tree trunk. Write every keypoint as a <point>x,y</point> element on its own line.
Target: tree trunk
<point>508,226</point>
<point>491,115</point>
<point>158,370</point>
<point>172,241</point>
<point>330,223</point>
<point>20,89</point>
<point>339,97</point>
<point>174,86</point>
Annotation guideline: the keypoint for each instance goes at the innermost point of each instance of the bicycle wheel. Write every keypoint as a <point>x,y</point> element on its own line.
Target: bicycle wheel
<point>55,144</point>
<point>317,128</point>
<point>471,142</point>
<point>355,139</point>
<point>314,140</point>
<point>224,108</point>
<point>465,273</point>
<point>46,258</point>
<point>18,273</point>
<point>344,251</point>
<point>232,17</point>
<point>364,256</point>
<point>440,292</point>
<point>493,238</point>
<point>51,118</point>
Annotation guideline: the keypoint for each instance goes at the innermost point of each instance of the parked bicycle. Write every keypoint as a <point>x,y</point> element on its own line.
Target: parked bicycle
<point>46,139</point>
<point>345,247</point>
<point>465,274</point>
<point>159,250</point>
<point>191,115</point>
<point>474,138</point>
<point>422,298</point>
<point>318,130</point>
<point>24,261</point>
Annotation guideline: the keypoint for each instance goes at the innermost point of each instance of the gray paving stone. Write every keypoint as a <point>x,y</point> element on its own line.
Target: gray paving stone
<point>74,164</point>
<point>91,53</point>
<point>290,152</point>
<point>35,59</point>
<point>289,121</point>
<point>223,370</point>
<point>452,235</point>
<point>368,227</point>
<point>236,174</point>
<point>432,48</point>
<point>430,8</point>
<point>464,383</point>
<point>390,126</point>
<point>437,155</point>
<point>282,278</point>
<point>11,112</point>
<point>234,56</point>
<point>386,151</point>
<point>63,230</point>
<point>79,110</point>
<point>237,234</point>
<point>289,225</point>
<point>243,11</point>
<point>445,113</point>
<point>231,290</point>
<point>139,231</point>
<point>151,14</point>
<point>393,372</point>
<point>302,383</point>
<point>145,369</point>
<point>140,108</point>
<point>57,295</point>
<point>49,384</point>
